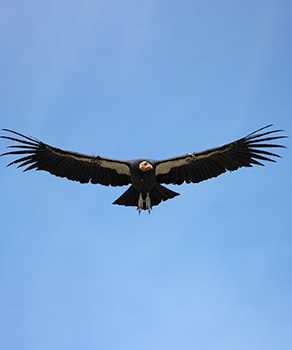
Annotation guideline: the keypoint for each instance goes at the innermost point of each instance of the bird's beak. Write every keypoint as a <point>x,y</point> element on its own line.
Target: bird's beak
<point>148,167</point>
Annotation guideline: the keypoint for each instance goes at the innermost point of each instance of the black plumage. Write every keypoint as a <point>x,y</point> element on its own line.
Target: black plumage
<point>144,175</point>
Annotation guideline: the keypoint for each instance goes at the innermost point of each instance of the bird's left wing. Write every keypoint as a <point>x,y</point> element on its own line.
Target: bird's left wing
<point>196,167</point>
<point>72,165</point>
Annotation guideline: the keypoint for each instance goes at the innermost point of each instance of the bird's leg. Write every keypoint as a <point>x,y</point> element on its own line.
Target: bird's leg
<point>148,202</point>
<point>140,202</point>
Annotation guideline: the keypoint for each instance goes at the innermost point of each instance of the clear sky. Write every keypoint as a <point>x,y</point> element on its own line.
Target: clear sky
<point>210,269</point>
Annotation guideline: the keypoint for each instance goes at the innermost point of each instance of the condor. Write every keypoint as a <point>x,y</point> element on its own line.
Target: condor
<point>144,175</point>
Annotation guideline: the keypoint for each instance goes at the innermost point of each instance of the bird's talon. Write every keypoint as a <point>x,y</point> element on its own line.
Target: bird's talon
<point>148,202</point>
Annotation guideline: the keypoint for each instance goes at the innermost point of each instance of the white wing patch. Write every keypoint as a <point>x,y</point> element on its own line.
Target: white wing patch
<point>165,167</point>
<point>119,166</point>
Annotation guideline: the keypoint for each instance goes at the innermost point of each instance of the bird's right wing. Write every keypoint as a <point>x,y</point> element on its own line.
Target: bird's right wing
<point>72,165</point>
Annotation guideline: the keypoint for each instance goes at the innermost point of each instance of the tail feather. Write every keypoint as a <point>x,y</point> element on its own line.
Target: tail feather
<point>160,193</point>
<point>128,198</point>
<point>157,194</point>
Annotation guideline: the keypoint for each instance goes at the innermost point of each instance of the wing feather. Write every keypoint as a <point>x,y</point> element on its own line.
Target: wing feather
<point>35,154</point>
<point>196,167</point>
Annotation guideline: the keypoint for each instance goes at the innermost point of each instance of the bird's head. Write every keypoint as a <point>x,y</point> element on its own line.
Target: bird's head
<point>145,166</point>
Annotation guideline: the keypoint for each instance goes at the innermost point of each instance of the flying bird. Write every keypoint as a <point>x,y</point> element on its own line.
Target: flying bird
<point>144,176</point>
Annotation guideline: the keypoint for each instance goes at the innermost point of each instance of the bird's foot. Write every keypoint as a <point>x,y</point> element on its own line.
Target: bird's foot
<point>148,202</point>
<point>141,202</point>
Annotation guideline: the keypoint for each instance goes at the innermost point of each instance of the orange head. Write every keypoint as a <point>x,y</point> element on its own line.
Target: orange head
<point>145,166</point>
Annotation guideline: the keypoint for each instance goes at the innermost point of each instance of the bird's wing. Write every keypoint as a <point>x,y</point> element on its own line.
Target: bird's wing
<point>196,167</point>
<point>72,165</point>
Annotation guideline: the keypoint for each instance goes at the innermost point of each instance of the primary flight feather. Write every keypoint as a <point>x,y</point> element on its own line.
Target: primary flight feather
<point>144,175</point>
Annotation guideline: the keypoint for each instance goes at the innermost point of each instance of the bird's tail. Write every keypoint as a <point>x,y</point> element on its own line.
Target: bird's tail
<point>128,198</point>
<point>160,193</point>
<point>157,194</point>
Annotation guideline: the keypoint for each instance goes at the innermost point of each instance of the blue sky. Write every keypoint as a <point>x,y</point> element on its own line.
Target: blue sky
<point>210,269</point>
